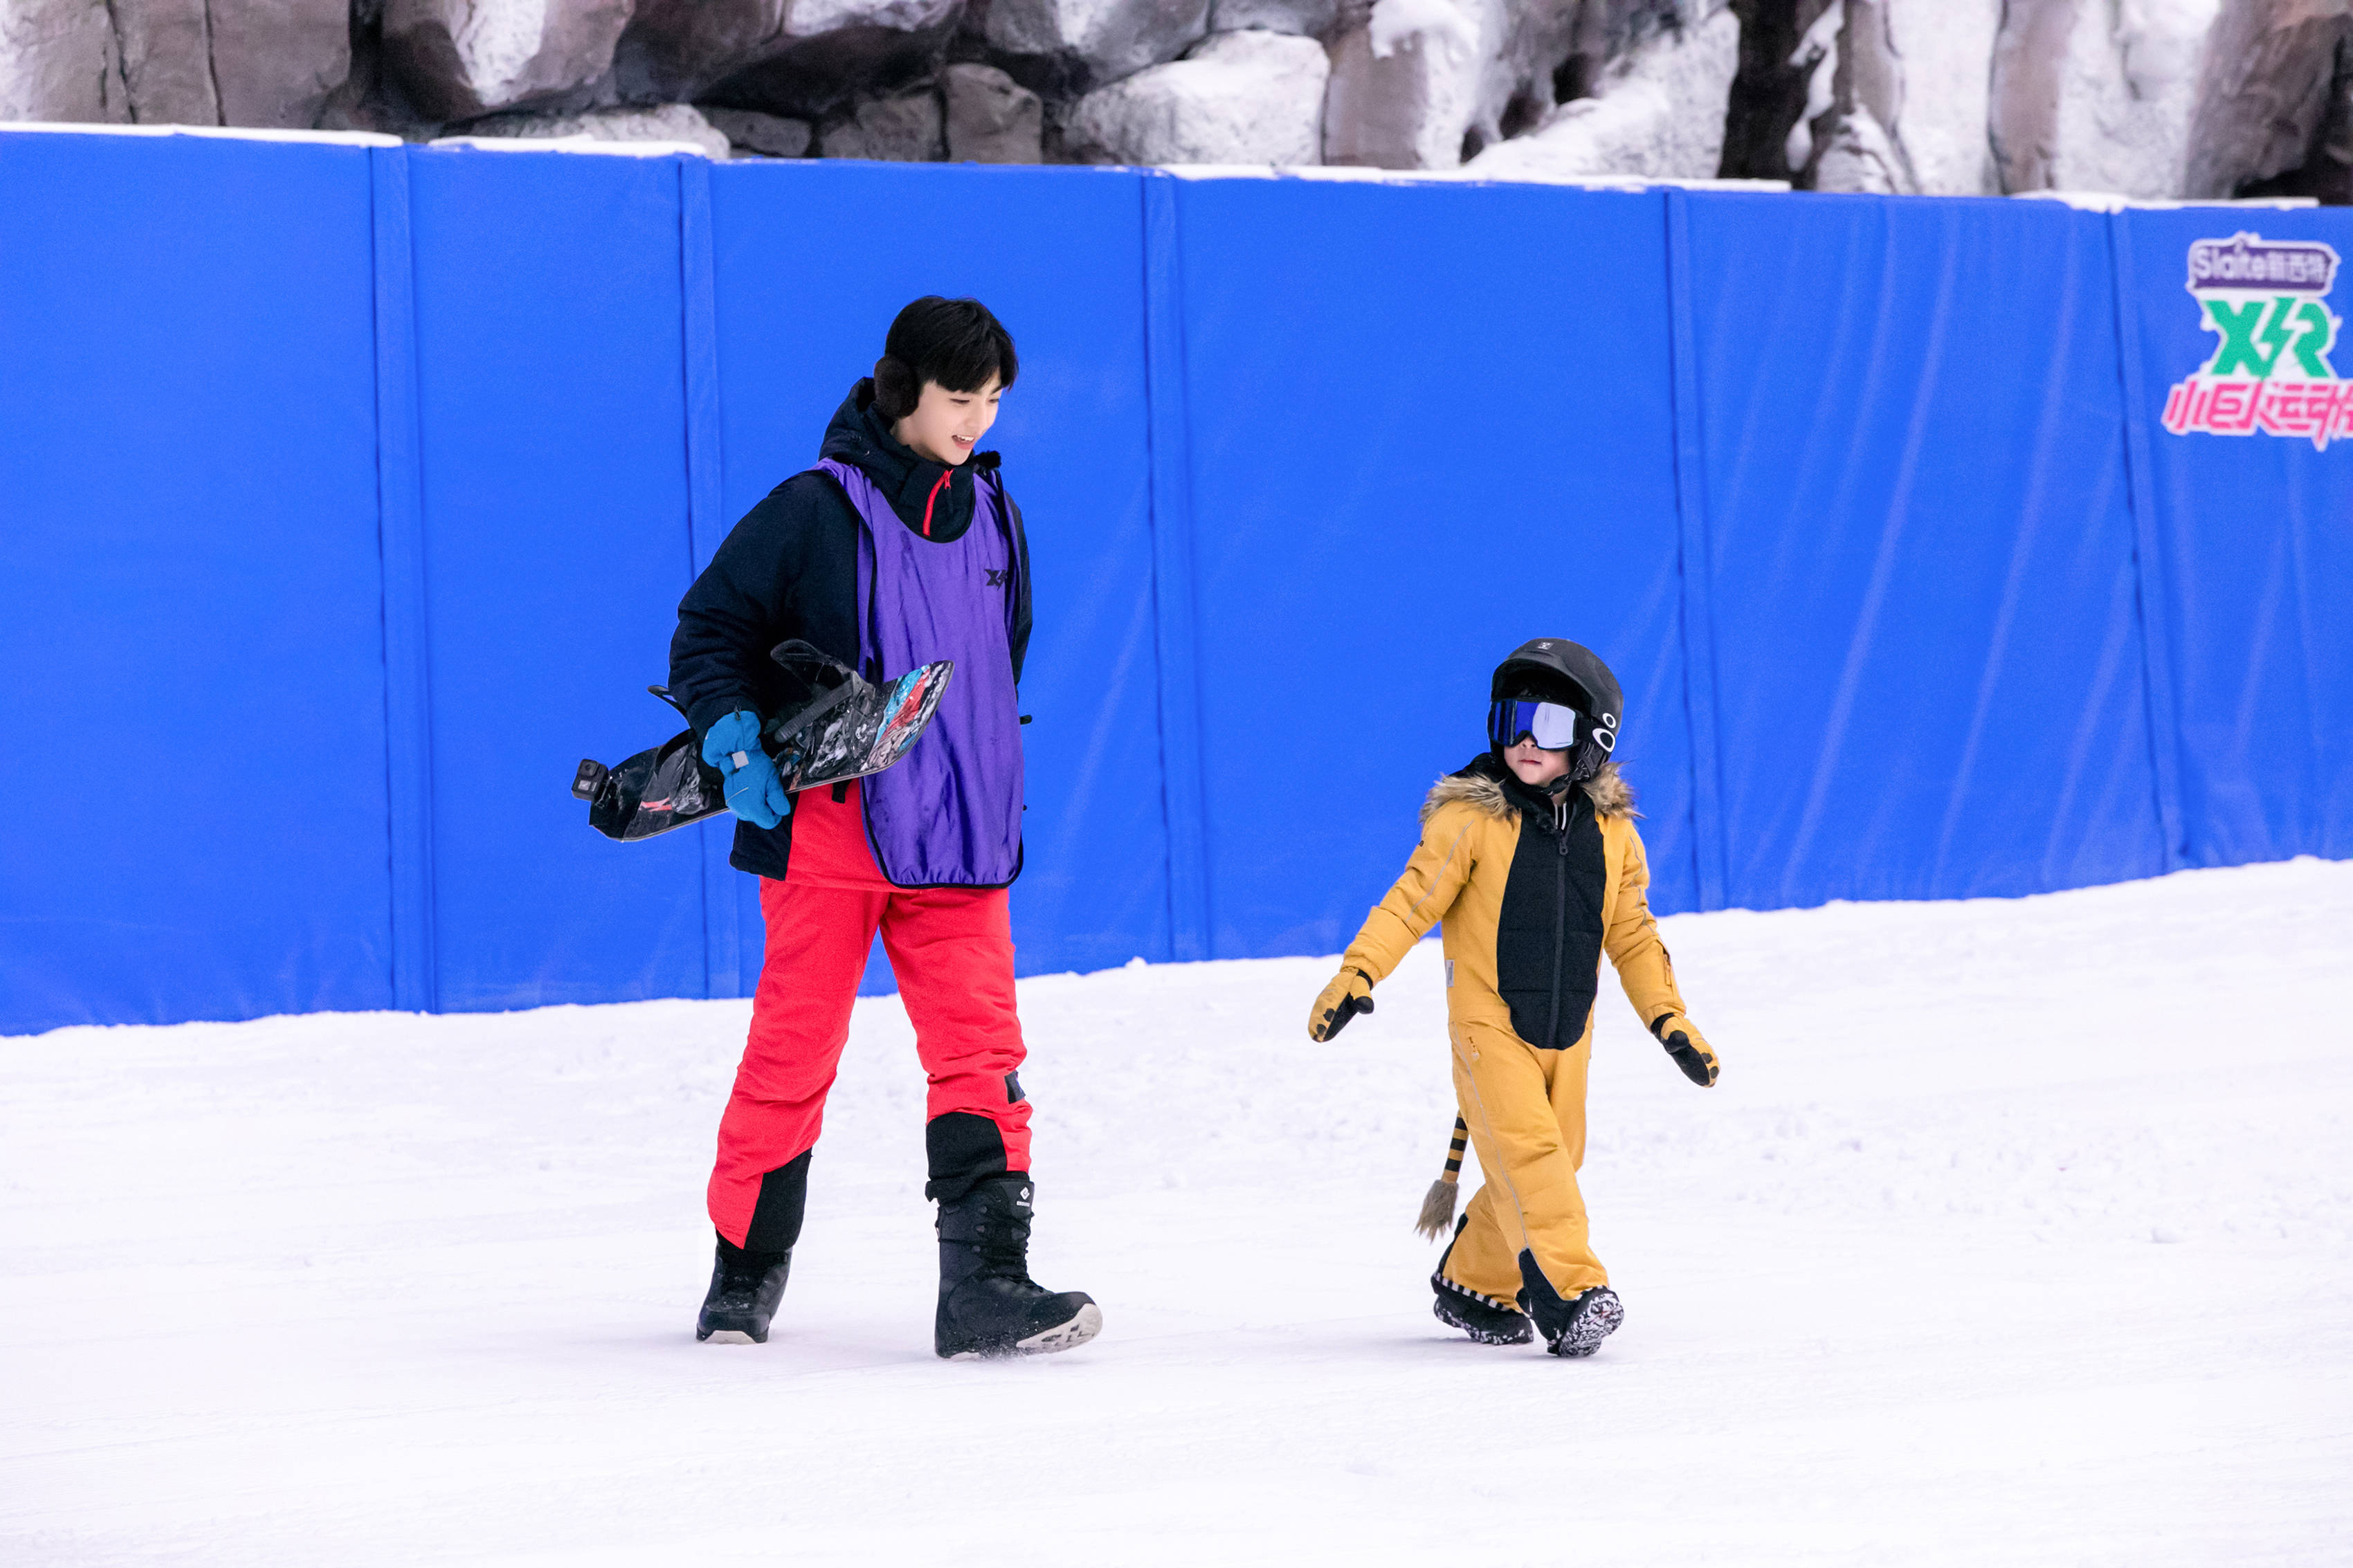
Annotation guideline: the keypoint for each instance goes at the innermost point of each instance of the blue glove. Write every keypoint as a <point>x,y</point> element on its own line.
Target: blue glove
<point>754,792</point>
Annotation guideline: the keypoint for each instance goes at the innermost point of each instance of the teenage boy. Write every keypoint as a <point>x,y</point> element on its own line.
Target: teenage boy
<point>1530,857</point>
<point>899,548</point>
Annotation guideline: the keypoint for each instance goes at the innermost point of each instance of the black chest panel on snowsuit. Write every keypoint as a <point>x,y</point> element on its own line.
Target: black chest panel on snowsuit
<point>1548,940</point>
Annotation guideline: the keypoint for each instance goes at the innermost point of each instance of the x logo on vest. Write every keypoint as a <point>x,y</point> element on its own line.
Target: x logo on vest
<point>999,579</point>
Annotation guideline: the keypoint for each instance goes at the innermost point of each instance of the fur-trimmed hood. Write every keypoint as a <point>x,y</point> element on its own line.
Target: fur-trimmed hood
<point>1612,796</point>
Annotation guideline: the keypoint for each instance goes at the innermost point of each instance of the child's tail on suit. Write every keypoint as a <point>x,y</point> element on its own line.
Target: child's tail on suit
<point>1437,1203</point>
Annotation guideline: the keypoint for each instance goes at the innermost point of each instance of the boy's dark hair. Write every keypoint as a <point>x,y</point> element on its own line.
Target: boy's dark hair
<point>955,343</point>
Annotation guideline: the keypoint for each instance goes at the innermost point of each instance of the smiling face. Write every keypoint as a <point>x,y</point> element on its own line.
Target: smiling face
<point>1536,766</point>
<point>946,426</point>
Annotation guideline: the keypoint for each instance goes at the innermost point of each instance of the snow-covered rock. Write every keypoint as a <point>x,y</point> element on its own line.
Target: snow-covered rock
<point>1658,113</point>
<point>1945,51</point>
<point>2276,95</point>
<point>1240,98</point>
<point>905,128</point>
<point>1407,86</point>
<point>268,63</point>
<point>665,122</point>
<point>2097,97</point>
<point>1308,18</point>
<point>766,135</point>
<point>1109,38</point>
<point>991,118</point>
<point>460,58</point>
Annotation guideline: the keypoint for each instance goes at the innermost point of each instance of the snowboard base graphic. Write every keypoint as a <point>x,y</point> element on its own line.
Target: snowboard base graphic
<point>846,728</point>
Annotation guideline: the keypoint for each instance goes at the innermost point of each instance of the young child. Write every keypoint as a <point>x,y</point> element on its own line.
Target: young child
<point>1530,857</point>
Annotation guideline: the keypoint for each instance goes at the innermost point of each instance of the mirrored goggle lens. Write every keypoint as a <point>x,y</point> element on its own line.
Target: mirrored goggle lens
<point>1552,726</point>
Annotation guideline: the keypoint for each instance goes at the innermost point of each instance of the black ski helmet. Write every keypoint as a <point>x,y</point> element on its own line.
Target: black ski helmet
<point>1555,669</point>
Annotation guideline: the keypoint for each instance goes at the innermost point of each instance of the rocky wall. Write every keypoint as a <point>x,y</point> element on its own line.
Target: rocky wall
<point>2140,98</point>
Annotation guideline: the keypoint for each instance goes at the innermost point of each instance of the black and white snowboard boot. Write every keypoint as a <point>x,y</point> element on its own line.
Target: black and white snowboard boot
<point>745,1290</point>
<point>1577,1326</point>
<point>1593,1316</point>
<point>1484,1318</point>
<point>989,1304</point>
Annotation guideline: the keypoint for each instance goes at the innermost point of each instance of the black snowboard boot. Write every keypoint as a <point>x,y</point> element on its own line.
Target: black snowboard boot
<point>1487,1321</point>
<point>1574,1326</point>
<point>989,1304</point>
<point>745,1290</point>
<point>1478,1317</point>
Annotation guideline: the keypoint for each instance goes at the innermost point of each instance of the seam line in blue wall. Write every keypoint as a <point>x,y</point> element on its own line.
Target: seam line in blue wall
<point>2151,601</point>
<point>706,525</point>
<point>400,539</point>
<point>1173,613</point>
<point>1697,606</point>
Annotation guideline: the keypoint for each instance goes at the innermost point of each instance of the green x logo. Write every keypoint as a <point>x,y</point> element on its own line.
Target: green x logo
<point>2305,331</point>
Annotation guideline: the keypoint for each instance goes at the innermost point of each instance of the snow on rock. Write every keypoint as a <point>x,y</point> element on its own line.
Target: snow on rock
<point>670,122</point>
<point>760,135</point>
<point>1308,18</point>
<point>2017,1231</point>
<point>904,129</point>
<point>1854,145</point>
<point>1406,86</point>
<point>1656,113</point>
<point>991,118</point>
<point>1109,38</point>
<point>460,58</point>
<point>1239,97</point>
<point>1945,49</point>
<point>2096,95</point>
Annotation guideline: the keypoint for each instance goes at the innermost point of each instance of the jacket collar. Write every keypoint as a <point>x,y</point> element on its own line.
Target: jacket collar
<point>917,486</point>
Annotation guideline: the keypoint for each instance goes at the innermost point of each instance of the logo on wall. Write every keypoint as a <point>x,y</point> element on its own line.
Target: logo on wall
<point>2267,302</point>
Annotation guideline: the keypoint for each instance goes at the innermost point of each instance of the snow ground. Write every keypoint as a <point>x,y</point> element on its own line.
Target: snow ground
<point>2017,1232</point>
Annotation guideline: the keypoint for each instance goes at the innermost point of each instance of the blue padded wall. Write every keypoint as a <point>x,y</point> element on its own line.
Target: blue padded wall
<point>813,261</point>
<point>554,498</point>
<point>1928,668</point>
<point>348,495</point>
<point>2254,535</point>
<point>1424,425</point>
<point>192,726</point>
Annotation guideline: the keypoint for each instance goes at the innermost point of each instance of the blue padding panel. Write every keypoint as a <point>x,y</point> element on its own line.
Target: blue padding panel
<point>1929,664</point>
<point>191,718</point>
<point>2254,533</point>
<point>1427,424</point>
<point>814,260</point>
<point>553,433</point>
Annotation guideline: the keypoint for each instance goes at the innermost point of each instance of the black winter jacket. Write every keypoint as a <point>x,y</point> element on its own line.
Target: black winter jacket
<point>789,569</point>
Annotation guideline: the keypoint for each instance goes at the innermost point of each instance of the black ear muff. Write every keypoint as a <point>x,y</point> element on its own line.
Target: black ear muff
<point>895,391</point>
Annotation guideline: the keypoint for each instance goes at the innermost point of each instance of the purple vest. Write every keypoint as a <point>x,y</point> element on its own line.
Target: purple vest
<point>949,812</point>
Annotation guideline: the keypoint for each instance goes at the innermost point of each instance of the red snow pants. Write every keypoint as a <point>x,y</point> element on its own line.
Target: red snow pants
<point>951,950</point>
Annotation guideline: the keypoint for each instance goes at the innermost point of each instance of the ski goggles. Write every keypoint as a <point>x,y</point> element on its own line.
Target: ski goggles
<point>1550,725</point>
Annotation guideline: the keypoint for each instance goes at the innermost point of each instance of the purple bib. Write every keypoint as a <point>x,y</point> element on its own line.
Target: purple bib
<point>949,812</point>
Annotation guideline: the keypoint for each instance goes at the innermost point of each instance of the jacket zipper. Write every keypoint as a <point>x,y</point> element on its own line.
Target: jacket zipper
<point>938,486</point>
<point>1559,917</point>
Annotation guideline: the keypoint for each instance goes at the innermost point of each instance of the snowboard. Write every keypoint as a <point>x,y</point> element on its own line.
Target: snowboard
<point>844,727</point>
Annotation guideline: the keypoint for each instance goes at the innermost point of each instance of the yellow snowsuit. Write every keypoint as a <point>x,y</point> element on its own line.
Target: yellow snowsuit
<point>1524,1106</point>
